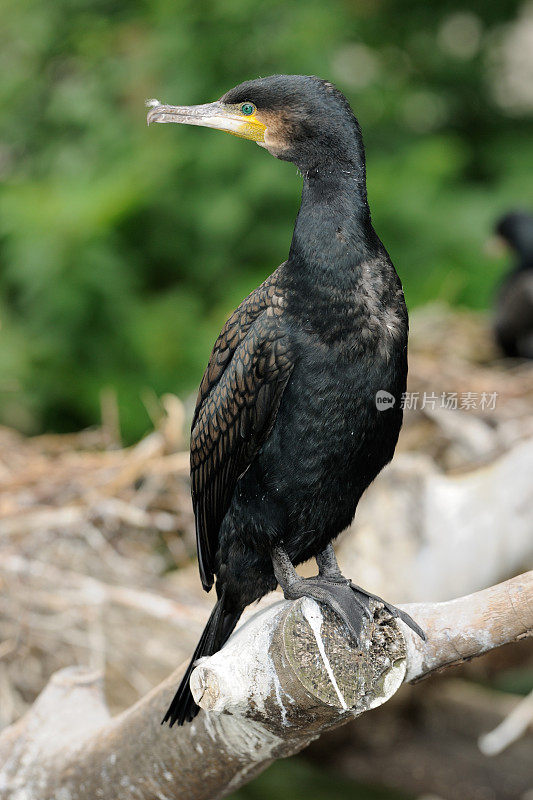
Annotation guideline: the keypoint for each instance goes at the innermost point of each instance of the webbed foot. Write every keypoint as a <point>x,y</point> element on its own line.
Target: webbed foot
<point>349,602</point>
<point>329,568</point>
<point>338,595</point>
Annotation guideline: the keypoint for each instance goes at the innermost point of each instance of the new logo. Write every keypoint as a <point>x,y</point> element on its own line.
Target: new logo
<point>384,400</point>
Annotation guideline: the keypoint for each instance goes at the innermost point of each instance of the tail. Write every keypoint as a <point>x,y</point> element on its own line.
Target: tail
<point>219,628</point>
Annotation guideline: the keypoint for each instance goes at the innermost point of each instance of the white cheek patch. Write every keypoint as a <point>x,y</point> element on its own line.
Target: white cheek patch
<point>274,145</point>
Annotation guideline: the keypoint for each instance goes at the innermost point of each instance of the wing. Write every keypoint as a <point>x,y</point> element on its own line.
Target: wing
<point>266,295</point>
<point>235,414</point>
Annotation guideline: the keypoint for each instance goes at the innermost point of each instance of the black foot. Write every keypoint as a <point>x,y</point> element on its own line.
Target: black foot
<point>349,602</point>
<point>339,596</point>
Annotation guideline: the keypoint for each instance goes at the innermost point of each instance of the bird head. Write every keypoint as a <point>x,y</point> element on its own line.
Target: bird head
<point>516,231</point>
<point>296,118</point>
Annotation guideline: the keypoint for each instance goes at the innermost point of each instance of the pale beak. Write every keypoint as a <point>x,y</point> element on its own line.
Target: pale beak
<point>209,115</point>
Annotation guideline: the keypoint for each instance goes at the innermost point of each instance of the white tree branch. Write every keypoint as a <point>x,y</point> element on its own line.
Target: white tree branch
<point>285,676</point>
<point>510,729</point>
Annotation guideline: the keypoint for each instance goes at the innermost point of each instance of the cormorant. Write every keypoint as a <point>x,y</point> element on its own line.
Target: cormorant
<point>513,319</point>
<point>289,429</point>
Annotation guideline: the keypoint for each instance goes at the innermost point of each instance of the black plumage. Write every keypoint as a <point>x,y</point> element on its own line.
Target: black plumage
<point>513,317</point>
<point>287,433</point>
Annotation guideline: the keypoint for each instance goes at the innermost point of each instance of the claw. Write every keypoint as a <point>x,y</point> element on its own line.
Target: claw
<point>409,621</point>
<point>393,611</point>
<point>365,606</point>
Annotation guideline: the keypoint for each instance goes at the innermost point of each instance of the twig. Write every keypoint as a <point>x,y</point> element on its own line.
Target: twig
<point>509,730</point>
<point>93,592</point>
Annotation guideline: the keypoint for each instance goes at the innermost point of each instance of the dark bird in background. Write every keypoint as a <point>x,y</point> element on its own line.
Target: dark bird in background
<point>513,319</point>
<point>287,432</point>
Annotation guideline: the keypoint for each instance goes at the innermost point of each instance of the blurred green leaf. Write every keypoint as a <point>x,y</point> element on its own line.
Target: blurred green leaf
<point>123,248</point>
<point>299,780</point>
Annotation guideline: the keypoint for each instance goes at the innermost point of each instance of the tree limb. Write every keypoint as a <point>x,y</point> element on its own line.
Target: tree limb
<point>285,676</point>
<point>510,729</point>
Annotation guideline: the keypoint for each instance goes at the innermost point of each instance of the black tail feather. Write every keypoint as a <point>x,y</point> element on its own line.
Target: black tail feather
<point>219,628</point>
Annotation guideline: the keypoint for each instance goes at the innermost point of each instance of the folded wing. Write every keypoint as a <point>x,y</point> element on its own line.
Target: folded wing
<point>237,406</point>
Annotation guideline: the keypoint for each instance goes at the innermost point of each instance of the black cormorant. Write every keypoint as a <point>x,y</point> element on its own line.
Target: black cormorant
<point>513,318</point>
<point>289,429</point>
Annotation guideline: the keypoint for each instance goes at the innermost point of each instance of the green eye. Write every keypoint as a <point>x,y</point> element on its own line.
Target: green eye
<point>247,109</point>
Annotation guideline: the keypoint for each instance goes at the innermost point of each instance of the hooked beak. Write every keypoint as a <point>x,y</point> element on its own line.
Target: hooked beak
<point>210,115</point>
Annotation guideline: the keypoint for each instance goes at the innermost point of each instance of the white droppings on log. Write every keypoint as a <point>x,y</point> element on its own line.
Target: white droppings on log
<point>242,737</point>
<point>392,681</point>
<point>313,615</point>
<point>277,689</point>
<point>223,681</point>
<point>469,626</point>
<point>416,653</point>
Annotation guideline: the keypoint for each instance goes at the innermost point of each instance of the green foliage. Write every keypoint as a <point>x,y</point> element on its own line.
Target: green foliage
<point>298,779</point>
<point>514,680</point>
<point>122,248</point>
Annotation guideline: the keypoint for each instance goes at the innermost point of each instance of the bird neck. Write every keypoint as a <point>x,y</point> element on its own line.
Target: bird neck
<point>524,257</point>
<point>333,229</point>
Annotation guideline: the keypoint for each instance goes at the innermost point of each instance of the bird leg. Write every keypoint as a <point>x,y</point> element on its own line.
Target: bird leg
<point>344,598</point>
<point>328,568</point>
<point>334,591</point>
